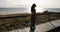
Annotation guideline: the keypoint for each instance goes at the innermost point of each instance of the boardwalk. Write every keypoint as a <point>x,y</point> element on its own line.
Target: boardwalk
<point>41,27</point>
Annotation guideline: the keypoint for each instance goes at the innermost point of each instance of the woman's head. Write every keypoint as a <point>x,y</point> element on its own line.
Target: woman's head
<point>34,5</point>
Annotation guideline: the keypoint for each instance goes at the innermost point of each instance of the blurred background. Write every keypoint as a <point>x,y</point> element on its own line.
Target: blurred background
<point>23,6</point>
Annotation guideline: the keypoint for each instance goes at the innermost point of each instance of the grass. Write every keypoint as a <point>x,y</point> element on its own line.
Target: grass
<point>21,22</point>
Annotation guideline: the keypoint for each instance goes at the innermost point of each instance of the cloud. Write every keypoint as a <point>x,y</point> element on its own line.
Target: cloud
<point>41,3</point>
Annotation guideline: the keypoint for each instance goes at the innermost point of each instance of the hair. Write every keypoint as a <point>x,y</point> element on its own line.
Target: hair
<point>34,5</point>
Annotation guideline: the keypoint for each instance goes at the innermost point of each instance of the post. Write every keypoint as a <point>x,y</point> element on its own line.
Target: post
<point>33,17</point>
<point>49,16</point>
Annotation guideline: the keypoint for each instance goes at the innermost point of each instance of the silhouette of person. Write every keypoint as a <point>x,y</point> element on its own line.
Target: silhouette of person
<point>33,8</point>
<point>33,16</point>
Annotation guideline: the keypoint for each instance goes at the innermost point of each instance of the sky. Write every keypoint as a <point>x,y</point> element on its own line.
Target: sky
<point>28,3</point>
<point>41,3</point>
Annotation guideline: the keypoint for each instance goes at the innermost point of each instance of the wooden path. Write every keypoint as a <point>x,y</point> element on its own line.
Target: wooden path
<point>41,27</point>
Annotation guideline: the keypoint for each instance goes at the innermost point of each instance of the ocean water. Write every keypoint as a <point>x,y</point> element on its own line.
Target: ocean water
<point>12,10</point>
<point>25,10</point>
<point>52,9</point>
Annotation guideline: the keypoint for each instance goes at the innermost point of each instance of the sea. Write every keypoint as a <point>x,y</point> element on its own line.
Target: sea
<point>12,10</point>
<point>52,9</point>
<point>24,10</point>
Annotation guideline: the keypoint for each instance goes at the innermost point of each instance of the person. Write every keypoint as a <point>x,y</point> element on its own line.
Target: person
<point>33,8</point>
<point>33,17</point>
